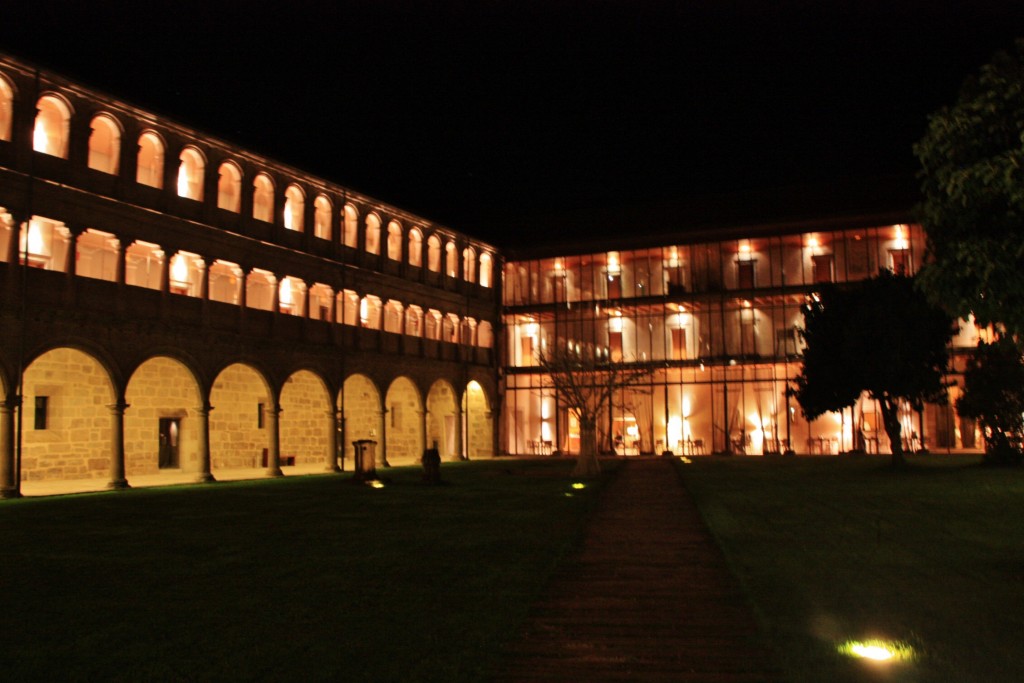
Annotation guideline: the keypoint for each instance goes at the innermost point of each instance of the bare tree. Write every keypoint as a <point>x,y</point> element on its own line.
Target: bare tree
<point>584,385</point>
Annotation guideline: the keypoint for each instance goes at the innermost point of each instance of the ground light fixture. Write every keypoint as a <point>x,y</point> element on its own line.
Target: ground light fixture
<point>877,650</point>
<point>375,484</point>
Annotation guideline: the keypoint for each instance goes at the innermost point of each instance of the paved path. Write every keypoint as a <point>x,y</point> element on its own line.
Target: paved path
<point>648,598</point>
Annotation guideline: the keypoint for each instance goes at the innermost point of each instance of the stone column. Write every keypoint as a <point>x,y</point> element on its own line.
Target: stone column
<point>203,428</point>
<point>273,415</point>
<point>9,486</point>
<point>71,265</point>
<point>459,455</point>
<point>13,252</point>
<point>307,298</point>
<point>332,441</point>
<point>117,478</point>
<point>382,451</point>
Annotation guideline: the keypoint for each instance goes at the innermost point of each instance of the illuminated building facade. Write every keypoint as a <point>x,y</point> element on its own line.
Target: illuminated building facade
<point>715,313</point>
<point>174,303</point>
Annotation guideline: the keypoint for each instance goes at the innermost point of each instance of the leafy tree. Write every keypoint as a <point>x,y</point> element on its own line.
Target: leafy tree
<point>584,385</point>
<point>972,173</point>
<point>880,336</point>
<point>994,395</point>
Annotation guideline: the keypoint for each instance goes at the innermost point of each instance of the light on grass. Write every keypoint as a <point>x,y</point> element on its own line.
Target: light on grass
<point>685,459</point>
<point>375,483</point>
<point>578,485</point>
<point>877,650</point>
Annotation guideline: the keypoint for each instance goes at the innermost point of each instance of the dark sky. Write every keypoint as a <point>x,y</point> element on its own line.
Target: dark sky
<point>481,113</point>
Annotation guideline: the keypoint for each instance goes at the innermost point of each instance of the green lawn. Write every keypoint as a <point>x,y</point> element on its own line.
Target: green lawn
<point>303,578</point>
<point>831,549</point>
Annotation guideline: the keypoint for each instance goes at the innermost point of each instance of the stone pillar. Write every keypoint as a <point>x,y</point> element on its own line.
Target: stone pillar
<point>117,478</point>
<point>307,298</point>
<point>203,428</point>
<point>165,279</point>
<point>243,297</point>
<point>459,455</point>
<point>273,415</point>
<point>14,242</point>
<point>71,265</point>
<point>382,452</point>
<point>10,487</point>
<point>332,441</point>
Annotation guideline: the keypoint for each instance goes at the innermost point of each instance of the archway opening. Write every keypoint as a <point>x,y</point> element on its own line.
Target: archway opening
<point>404,423</point>
<point>160,426</point>
<point>239,432</point>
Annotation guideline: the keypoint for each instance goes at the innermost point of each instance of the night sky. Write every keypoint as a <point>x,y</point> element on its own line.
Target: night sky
<point>483,114</point>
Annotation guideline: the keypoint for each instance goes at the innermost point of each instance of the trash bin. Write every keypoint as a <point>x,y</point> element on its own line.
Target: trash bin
<point>366,454</point>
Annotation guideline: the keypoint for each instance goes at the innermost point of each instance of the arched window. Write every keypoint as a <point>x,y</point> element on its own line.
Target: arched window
<point>373,234</point>
<point>104,144</point>
<point>451,266</point>
<point>467,332</point>
<point>432,328</point>
<point>484,335</point>
<point>351,232</point>
<point>434,254</point>
<point>369,312</point>
<point>450,328</point>
<point>6,109</point>
<point>150,167</point>
<point>393,314</point>
<point>190,174</point>
<point>294,208</point>
<point>43,243</point>
<point>415,248</point>
<point>259,289</point>
<point>469,264</point>
<point>395,241</point>
<point>186,273</point>
<point>225,282</point>
<point>322,217</point>
<point>96,255</point>
<point>291,295</point>
<point>320,298</point>
<point>414,321</point>
<point>50,135</point>
<point>229,188</point>
<point>485,270</point>
<point>349,307</point>
<point>144,265</point>
<point>263,198</point>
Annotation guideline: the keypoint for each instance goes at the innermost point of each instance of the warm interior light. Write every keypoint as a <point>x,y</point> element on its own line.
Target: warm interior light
<point>179,270</point>
<point>901,239</point>
<point>745,248</point>
<point>40,141</point>
<point>812,242</point>
<point>35,243</point>
<point>286,292</point>
<point>182,180</point>
<point>613,263</point>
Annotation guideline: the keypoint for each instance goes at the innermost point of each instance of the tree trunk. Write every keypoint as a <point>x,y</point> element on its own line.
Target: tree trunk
<point>891,420</point>
<point>587,464</point>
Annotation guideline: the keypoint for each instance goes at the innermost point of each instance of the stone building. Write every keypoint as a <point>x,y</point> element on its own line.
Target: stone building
<point>713,306</point>
<point>171,303</point>
<point>174,303</point>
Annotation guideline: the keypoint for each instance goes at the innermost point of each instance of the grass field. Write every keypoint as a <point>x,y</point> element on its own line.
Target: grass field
<point>305,578</point>
<point>831,549</point>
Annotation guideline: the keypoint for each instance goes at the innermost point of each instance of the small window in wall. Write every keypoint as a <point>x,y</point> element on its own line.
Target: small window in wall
<point>394,241</point>
<point>485,270</point>
<point>294,208</point>
<point>373,234</point>
<point>260,411</point>
<point>263,198</point>
<point>150,167</point>
<point>53,120</point>
<point>415,248</point>
<point>469,264</point>
<point>822,268</point>
<point>104,145</point>
<point>6,109</point>
<point>322,217</point>
<point>451,260</point>
<point>900,260</point>
<point>190,174</point>
<point>229,188</point>
<point>434,254</point>
<point>42,413</point>
<point>745,274</point>
<point>351,232</point>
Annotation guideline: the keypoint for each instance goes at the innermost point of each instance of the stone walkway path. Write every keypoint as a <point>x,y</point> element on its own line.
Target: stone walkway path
<point>648,598</point>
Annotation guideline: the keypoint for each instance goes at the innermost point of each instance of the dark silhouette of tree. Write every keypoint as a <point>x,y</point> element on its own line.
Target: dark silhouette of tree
<point>879,336</point>
<point>994,395</point>
<point>972,178</point>
<point>584,385</point>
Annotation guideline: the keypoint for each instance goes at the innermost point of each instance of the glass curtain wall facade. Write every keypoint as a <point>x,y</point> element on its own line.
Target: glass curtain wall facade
<point>717,323</point>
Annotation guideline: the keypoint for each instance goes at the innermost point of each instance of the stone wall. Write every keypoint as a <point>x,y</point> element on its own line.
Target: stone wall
<point>76,441</point>
<point>236,438</point>
<point>477,418</point>
<point>305,419</point>
<point>404,423</point>
<point>440,419</point>
<point>362,414</point>
<point>160,388</point>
